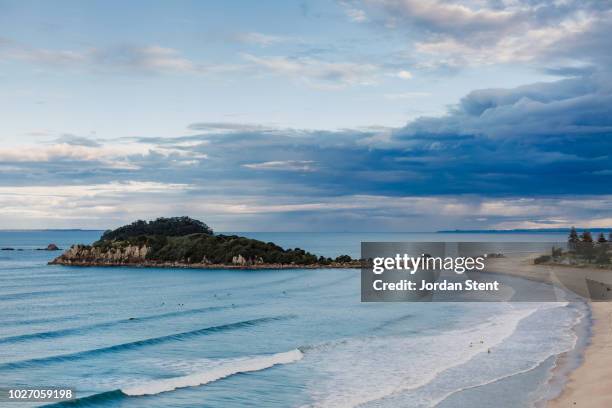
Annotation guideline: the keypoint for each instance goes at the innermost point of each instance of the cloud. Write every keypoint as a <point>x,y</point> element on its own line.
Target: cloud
<point>76,141</point>
<point>404,74</point>
<point>468,33</point>
<point>151,59</point>
<point>112,204</point>
<point>318,72</point>
<point>541,139</point>
<point>407,95</point>
<point>537,113</point>
<point>156,59</point>
<point>63,151</point>
<point>148,58</point>
<point>263,40</point>
<point>78,154</point>
<point>282,165</point>
<point>91,205</point>
<point>520,47</point>
<point>228,126</point>
<point>354,14</point>
<point>12,50</point>
<point>537,154</point>
<point>92,190</point>
<point>451,16</point>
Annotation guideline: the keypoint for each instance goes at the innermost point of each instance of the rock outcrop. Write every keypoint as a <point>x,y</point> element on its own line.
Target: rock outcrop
<point>242,261</point>
<point>92,255</point>
<point>50,247</point>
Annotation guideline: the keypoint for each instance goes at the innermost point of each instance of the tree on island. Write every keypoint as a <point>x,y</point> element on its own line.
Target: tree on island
<point>343,258</point>
<point>601,238</point>
<point>173,227</point>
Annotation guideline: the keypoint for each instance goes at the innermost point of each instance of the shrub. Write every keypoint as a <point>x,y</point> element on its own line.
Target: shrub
<point>344,259</point>
<point>542,259</point>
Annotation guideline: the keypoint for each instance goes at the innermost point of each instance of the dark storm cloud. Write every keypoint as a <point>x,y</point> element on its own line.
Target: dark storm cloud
<point>540,139</point>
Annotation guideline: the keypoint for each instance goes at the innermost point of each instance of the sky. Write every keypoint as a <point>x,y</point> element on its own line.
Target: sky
<point>365,115</point>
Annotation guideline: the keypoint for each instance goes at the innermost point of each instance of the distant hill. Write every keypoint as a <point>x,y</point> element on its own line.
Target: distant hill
<point>526,230</point>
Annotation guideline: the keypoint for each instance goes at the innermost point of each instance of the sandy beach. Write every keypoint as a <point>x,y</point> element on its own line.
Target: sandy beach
<point>590,384</point>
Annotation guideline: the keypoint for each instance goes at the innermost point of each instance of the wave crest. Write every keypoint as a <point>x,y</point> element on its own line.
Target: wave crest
<point>228,368</point>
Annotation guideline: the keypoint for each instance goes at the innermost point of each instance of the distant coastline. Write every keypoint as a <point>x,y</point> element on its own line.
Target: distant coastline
<point>526,230</point>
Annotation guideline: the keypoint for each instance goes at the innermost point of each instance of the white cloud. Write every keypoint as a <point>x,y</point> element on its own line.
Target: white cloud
<point>108,204</point>
<point>260,39</point>
<point>92,190</point>
<point>283,165</point>
<point>404,74</point>
<point>161,59</point>
<point>483,32</point>
<point>137,59</point>
<point>432,212</point>
<point>454,15</point>
<point>90,206</point>
<point>511,208</point>
<point>357,15</point>
<point>354,14</point>
<point>221,127</point>
<point>319,72</point>
<point>113,155</point>
<point>521,46</point>
<point>407,95</point>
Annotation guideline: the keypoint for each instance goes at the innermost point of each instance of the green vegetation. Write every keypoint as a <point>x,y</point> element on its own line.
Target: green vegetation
<point>169,227</point>
<point>582,250</point>
<point>174,240</point>
<point>589,250</point>
<point>542,259</point>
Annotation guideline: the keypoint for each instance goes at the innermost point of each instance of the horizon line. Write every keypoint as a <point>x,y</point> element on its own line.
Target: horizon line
<point>474,231</point>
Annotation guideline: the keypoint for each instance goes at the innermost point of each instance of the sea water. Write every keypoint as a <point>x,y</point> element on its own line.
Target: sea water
<point>135,337</point>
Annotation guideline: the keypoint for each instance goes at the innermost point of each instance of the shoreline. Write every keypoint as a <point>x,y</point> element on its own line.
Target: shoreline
<point>581,377</point>
<point>586,385</point>
<point>170,265</point>
<point>567,362</point>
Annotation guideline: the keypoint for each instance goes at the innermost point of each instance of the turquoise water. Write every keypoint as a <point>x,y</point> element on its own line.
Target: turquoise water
<point>129,337</point>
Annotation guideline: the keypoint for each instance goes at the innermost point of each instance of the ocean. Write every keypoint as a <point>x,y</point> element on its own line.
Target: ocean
<point>135,337</point>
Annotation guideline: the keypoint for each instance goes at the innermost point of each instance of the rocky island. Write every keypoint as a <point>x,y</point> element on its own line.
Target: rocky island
<point>187,243</point>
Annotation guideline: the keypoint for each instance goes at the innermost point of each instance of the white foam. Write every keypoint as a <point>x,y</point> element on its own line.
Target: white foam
<point>358,371</point>
<point>223,369</point>
<point>533,358</point>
